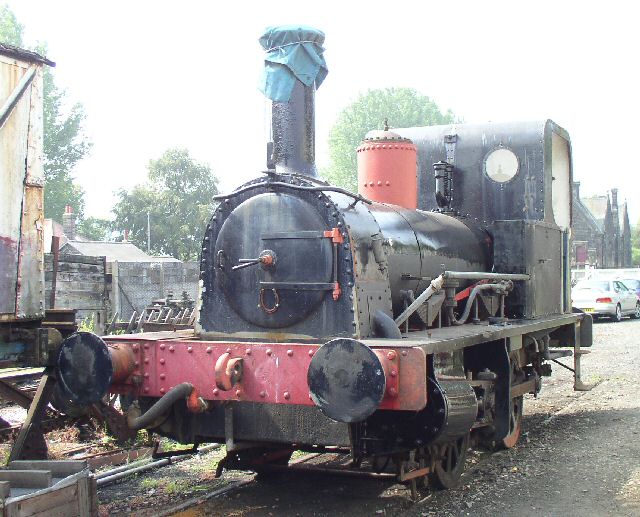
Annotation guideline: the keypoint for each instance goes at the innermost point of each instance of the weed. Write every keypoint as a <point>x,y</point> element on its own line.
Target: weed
<point>87,324</point>
<point>148,483</point>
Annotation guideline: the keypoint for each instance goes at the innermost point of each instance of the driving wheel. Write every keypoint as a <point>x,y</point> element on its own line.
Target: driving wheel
<point>450,465</point>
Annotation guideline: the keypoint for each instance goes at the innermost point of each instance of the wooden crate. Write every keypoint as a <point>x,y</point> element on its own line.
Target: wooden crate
<point>48,489</point>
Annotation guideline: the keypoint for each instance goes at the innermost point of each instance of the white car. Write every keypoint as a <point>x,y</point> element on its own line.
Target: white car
<point>605,298</point>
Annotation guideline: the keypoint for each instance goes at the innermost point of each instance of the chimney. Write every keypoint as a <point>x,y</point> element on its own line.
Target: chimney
<point>294,69</point>
<point>576,190</point>
<point>614,199</point>
<point>69,223</point>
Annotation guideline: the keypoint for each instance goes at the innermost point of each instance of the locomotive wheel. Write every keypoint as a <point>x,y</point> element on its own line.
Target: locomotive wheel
<point>450,466</point>
<point>515,424</point>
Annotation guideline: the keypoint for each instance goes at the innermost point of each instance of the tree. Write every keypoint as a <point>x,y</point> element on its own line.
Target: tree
<point>65,142</point>
<point>177,201</point>
<point>635,244</point>
<point>95,229</point>
<point>402,107</point>
<point>10,29</point>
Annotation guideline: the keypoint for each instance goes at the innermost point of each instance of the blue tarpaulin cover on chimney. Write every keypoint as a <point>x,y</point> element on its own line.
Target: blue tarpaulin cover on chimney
<point>293,52</point>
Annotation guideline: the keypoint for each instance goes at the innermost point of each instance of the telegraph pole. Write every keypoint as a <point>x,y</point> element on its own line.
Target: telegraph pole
<point>148,233</point>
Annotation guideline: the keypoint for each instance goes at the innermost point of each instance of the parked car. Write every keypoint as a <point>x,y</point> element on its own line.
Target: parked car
<point>606,298</point>
<point>633,284</point>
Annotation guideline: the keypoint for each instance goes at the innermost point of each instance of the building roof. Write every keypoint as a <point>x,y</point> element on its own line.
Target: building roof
<point>23,54</point>
<point>114,251</point>
<point>597,205</point>
<point>586,213</point>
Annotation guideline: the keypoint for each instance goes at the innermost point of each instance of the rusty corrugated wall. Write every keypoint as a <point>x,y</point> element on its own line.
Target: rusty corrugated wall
<point>21,195</point>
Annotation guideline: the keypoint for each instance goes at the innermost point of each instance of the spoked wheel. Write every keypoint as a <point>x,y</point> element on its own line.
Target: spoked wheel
<point>636,313</point>
<point>515,423</point>
<point>450,466</point>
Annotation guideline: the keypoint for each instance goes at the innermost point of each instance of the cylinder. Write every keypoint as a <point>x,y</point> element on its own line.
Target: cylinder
<point>387,169</point>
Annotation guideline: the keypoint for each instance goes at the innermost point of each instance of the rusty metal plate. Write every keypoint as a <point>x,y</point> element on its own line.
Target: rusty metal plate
<point>273,373</point>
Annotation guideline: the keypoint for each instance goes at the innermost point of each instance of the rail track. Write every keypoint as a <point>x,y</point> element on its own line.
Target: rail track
<point>334,466</point>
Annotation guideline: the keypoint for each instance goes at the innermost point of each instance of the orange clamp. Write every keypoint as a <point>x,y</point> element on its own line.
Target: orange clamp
<point>335,235</point>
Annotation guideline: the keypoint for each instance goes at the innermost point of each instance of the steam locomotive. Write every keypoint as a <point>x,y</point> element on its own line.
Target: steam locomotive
<point>397,322</point>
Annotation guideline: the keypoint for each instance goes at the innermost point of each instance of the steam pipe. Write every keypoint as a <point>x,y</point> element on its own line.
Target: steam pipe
<point>181,391</point>
<point>472,275</point>
<point>472,296</point>
<point>268,184</point>
<point>434,287</point>
<point>385,327</point>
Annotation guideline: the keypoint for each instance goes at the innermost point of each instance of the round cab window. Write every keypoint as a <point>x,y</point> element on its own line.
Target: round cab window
<point>501,165</point>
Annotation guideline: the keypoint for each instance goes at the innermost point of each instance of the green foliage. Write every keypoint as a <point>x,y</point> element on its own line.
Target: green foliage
<point>95,229</point>
<point>64,140</point>
<point>177,197</point>
<point>65,144</point>
<point>402,107</point>
<point>635,244</point>
<point>87,324</point>
<point>10,29</point>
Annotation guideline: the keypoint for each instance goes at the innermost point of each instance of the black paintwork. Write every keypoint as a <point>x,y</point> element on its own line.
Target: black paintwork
<point>292,230</point>
<point>527,196</point>
<point>534,248</point>
<point>274,423</point>
<point>84,368</point>
<point>346,380</point>
<point>293,126</point>
<point>386,250</point>
<point>277,219</point>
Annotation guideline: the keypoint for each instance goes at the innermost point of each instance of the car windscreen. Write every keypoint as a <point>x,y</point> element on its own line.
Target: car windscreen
<point>631,283</point>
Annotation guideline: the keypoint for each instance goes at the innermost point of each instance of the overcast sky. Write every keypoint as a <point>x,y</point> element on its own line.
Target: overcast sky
<point>154,75</point>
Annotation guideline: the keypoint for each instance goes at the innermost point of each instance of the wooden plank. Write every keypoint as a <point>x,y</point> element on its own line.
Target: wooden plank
<point>20,374</point>
<point>5,489</point>
<point>27,478</point>
<point>55,502</point>
<point>84,496</point>
<point>58,468</point>
<point>69,509</point>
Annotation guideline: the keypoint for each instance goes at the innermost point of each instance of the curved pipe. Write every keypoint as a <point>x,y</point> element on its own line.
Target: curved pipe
<point>267,184</point>
<point>472,296</point>
<point>172,396</point>
<point>385,327</point>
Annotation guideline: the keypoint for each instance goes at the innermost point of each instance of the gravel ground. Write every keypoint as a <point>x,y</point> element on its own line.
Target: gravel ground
<point>579,455</point>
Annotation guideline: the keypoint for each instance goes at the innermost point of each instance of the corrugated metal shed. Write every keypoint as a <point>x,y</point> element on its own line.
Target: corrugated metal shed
<point>21,184</point>
<point>23,54</point>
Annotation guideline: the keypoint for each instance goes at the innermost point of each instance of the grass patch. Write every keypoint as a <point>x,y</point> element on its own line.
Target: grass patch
<point>174,487</point>
<point>148,483</point>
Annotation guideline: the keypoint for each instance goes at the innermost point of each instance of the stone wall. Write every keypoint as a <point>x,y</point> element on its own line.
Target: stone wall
<point>586,235</point>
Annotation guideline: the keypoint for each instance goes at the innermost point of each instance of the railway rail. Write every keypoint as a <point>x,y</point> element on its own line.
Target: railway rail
<point>325,465</point>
